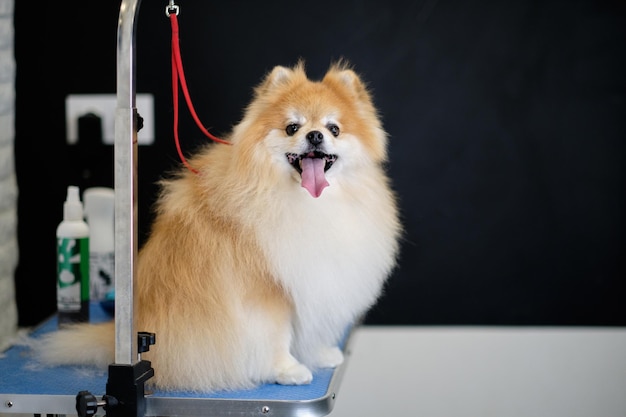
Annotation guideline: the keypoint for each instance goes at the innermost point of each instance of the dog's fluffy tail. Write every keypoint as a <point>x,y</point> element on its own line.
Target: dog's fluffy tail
<point>79,344</point>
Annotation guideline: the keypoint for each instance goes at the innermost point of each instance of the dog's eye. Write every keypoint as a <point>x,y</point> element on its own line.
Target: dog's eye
<point>292,129</point>
<point>334,129</point>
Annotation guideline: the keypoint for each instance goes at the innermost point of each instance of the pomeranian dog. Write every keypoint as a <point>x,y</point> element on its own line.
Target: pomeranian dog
<point>257,264</point>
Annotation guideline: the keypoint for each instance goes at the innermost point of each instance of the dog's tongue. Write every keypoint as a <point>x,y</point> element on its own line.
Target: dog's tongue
<point>313,178</point>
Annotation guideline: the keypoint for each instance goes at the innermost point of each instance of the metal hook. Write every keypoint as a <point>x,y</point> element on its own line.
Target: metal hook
<point>171,8</point>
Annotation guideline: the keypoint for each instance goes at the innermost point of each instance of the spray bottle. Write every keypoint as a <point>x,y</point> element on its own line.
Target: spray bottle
<point>72,262</point>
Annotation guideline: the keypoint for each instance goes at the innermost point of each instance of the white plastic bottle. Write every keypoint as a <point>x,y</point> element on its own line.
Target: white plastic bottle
<point>72,262</point>
<point>100,214</point>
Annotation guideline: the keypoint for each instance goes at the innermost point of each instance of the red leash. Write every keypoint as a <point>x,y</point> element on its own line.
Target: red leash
<point>179,75</point>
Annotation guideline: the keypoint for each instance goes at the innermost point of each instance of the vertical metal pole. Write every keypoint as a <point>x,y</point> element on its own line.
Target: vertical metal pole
<point>125,169</point>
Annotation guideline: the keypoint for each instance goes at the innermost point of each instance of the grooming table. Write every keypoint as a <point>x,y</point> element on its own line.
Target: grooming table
<point>26,387</point>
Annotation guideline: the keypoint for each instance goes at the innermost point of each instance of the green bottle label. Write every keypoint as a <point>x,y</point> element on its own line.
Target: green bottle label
<point>72,273</point>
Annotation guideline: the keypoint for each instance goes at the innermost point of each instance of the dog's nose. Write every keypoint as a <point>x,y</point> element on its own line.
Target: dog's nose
<point>315,137</point>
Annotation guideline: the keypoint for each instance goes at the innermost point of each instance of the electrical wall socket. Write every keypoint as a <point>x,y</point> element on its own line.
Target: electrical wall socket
<point>105,105</point>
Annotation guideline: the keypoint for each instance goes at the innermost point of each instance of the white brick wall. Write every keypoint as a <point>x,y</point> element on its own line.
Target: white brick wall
<point>8,187</point>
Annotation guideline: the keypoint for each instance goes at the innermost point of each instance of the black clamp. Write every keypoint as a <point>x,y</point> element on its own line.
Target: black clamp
<point>125,394</point>
<point>139,122</point>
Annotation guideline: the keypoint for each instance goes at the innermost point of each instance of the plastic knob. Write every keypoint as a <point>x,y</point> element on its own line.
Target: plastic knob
<point>86,404</point>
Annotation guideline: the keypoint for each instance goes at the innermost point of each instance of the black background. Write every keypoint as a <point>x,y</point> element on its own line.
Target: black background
<point>507,126</point>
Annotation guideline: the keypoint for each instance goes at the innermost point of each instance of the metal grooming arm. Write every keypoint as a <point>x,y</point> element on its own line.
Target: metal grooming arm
<point>125,169</point>
<point>125,395</point>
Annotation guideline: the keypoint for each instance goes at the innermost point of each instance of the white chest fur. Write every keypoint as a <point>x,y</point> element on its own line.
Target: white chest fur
<point>332,254</point>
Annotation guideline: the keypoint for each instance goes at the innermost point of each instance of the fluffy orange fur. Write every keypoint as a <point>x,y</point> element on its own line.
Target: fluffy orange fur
<point>246,278</point>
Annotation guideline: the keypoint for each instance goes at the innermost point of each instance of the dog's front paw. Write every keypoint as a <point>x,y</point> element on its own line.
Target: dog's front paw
<point>329,357</point>
<point>295,374</point>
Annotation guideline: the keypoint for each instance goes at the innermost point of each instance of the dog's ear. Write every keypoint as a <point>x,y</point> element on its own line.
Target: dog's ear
<point>280,76</point>
<point>342,75</point>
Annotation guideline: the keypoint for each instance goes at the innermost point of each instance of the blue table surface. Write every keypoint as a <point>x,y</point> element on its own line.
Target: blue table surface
<point>20,374</point>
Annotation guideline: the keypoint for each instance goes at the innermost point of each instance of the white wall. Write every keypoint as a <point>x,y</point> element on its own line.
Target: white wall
<point>8,186</point>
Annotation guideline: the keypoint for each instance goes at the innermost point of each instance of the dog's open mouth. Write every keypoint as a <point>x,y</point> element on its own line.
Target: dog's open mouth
<point>296,160</point>
<point>312,166</point>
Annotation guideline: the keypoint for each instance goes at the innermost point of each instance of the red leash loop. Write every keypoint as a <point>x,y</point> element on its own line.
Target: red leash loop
<point>179,75</point>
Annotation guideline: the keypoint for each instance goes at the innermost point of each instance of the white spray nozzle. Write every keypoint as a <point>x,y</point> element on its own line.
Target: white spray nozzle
<point>72,194</point>
<point>72,208</point>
